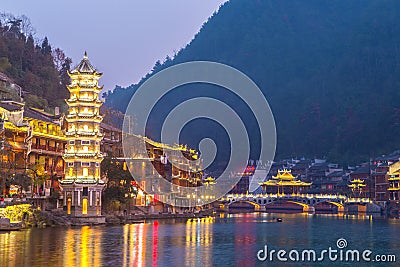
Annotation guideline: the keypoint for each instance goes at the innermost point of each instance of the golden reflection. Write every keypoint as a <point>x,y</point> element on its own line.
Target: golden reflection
<point>5,253</point>
<point>69,248</point>
<point>199,241</point>
<point>82,247</point>
<point>12,245</point>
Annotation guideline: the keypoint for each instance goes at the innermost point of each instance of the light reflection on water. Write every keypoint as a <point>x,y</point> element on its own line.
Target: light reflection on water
<point>227,240</point>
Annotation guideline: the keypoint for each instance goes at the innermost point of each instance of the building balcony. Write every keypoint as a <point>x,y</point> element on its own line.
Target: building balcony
<point>46,152</point>
<point>84,133</point>
<point>84,117</point>
<point>47,148</point>
<point>45,133</point>
<point>83,155</point>
<point>87,103</point>
<point>394,188</point>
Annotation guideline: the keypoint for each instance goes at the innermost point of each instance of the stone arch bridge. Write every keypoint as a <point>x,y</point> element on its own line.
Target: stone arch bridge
<point>307,201</point>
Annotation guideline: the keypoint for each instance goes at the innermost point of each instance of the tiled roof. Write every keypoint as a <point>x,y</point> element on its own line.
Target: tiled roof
<point>84,66</point>
<point>10,106</point>
<point>362,170</point>
<point>36,115</point>
<point>110,127</point>
<point>336,174</point>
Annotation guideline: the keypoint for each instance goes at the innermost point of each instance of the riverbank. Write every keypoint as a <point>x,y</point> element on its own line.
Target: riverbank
<point>29,217</point>
<point>121,219</point>
<point>230,240</point>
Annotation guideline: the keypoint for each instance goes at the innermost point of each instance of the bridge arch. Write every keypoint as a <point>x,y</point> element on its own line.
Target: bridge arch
<point>252,202</point>
<point>305,206</point>
<point>340,206</point>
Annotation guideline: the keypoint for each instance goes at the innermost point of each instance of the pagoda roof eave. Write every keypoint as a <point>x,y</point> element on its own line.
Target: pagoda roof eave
<point>81,182</point>
<point>283,183</point>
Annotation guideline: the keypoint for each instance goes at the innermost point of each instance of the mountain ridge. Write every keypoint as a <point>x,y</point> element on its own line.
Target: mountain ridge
<point>329,69</point>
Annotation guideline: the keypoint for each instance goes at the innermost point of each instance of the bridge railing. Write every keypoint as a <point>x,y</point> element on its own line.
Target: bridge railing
<point>310,196</point>
<point>359,200</point>
<point>320,197</point>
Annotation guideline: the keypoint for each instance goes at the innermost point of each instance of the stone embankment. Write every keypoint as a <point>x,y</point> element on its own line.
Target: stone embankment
<point>43,219</point>
<point>123,219</point>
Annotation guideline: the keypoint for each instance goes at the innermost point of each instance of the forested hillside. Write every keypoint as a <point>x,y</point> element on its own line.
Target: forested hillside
<point>330,70</point>
<point>39,69</point>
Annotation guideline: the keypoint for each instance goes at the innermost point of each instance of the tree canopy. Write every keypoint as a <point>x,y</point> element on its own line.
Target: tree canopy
<point>39,69</point>
<point>329,69</point>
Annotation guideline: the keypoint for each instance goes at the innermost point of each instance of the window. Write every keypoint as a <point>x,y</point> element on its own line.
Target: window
<point>70,164</point>
<point>85,172</point>
<point>85,164</point>
<point>72,142</point>
<point>97,164</point>
<point>85,142</point>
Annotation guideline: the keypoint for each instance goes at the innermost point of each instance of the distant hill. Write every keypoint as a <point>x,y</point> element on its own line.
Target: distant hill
<point>330,70</point>
<point>37,68</point>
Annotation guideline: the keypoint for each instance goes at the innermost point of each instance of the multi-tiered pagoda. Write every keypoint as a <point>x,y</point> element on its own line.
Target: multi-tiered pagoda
<point>82,185</point>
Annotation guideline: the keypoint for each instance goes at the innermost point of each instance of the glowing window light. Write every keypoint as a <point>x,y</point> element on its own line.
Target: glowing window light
<point>84,206</point>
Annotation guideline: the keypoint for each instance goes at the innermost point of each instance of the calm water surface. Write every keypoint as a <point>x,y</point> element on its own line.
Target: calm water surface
<point>222,241</point>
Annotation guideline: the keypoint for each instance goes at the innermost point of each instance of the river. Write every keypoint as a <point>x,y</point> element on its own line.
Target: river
<point>227,240</point>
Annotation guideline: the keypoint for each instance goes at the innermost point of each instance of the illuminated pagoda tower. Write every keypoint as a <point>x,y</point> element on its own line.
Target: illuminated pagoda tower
<point>82,186</point>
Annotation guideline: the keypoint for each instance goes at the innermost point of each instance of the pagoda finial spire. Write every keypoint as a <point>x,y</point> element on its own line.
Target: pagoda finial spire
<point>84,66</point>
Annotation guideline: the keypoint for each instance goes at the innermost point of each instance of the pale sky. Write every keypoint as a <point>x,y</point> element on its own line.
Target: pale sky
<point>123,38</point>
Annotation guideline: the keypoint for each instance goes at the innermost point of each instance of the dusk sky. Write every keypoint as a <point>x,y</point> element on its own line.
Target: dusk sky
<point>123,38</point>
